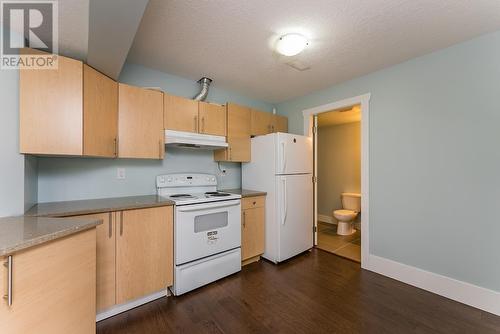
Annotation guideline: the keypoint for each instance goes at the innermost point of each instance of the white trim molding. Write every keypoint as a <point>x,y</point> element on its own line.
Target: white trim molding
<point>364,101</point>
<point>326,219</point>
<point>466,293</point>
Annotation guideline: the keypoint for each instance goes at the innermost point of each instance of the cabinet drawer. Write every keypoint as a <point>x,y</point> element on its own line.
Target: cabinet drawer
<point>253,202</point>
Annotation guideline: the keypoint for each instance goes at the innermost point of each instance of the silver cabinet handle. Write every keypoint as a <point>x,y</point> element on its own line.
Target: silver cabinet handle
<point>203,124</point>
<point>121,223</point>
<point>195,123</point>
<point>110,233</point>
<point>8,296</point>
<point>160,148</point>
<point>244,218</point>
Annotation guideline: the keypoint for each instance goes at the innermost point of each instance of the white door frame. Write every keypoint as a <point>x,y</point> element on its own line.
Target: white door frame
<point>364,101</point>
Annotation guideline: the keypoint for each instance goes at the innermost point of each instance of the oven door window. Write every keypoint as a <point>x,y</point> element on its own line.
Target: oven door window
<point>210,222</point>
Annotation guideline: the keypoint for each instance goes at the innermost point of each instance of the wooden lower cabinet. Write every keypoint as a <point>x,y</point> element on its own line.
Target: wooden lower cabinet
<point>105,261</point>
<point>53,287</point>
<point>252,228</point>
<point>144,252</point>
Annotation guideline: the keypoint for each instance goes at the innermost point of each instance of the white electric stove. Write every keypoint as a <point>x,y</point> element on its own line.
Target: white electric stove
<point>207,229</point>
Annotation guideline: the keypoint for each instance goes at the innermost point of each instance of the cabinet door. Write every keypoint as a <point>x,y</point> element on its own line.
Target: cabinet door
<point>252,233</point>
<point>140,123</point>
<point>51,109</point>
<point>280,123</point>
<point>144,252</point>
<point>238,135</point>
<point>105,260</point>
<point>212,119</point>
<point>53,288</point>
<point>181,114</point>
<point>262,123</point>
<point>100,114</point>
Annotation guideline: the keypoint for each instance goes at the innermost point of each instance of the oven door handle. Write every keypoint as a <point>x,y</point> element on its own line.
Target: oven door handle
<point>212,205</point>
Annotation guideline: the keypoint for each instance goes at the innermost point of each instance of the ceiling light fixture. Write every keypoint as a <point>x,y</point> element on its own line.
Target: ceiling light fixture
<point>291,44</point>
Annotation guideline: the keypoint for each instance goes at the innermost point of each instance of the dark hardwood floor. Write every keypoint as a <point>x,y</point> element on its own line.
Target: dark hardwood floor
<point>314,293</point>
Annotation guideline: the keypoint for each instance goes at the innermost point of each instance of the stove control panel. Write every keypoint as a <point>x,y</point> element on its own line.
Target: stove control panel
<point>185,180</point>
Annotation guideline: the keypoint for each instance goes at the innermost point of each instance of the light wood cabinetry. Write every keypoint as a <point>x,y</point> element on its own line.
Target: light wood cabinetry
<point>68,111</point>
<point>106,260</point>
<point>252,228</point>
<point>144,252</point>
<point>265,122</point>
<point>212,118</point>
<point>140,123</point>
<point>53,288</point>
<point>100,114</point>
<point>135,254</point>
<point>238,135</point>
<point>262,123</point>
<point>181,114</point>
<point>51,109</point>
<point>280,123</point>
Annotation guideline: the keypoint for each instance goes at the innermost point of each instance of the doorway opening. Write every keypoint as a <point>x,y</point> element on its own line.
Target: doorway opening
<point>338,160</point>
<point>311,129</point>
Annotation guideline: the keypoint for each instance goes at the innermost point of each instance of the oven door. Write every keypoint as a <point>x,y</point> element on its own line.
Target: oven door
<point>206,229</point>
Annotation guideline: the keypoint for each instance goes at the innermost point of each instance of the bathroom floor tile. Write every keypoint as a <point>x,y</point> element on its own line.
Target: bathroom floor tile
<point>348,246</point>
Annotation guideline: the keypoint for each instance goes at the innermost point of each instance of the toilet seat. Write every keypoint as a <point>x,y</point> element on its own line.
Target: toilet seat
<point>345,215</point>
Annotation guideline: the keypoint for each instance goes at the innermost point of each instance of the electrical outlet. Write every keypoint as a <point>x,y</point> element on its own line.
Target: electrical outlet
<point>120,173</point>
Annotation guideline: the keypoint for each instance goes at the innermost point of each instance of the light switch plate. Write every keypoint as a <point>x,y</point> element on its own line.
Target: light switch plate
<point>120,173</point>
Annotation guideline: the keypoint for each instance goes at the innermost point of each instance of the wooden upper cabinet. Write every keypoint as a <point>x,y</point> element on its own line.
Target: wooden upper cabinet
<point>100,114</point>
<point>212,119</point>
<point>140,123</point>
<point>280,123</point>
<point>72,110</point>
<point>144,252</point>
<point>181,114</point>
<point>51,108</point>
<point>262,123</point>
<point>238,135</point>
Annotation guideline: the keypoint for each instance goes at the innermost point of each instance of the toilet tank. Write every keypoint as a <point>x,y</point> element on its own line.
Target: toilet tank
<point>351,201</point>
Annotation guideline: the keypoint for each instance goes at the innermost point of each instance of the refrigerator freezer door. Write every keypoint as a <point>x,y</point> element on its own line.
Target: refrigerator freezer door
<point>293,154</point>
<point>295,215</point>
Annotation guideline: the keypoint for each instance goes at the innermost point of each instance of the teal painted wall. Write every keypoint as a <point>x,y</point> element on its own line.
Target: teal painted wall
<point>434,159</point>
<point>61,179</point>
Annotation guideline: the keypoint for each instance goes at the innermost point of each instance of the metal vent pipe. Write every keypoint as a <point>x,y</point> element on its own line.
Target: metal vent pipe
<point>205,85</point>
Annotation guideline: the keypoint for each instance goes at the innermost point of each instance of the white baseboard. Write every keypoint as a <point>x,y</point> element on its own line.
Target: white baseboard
<point>130,305</point>
<point>327,219</point>
<point>466,293</point>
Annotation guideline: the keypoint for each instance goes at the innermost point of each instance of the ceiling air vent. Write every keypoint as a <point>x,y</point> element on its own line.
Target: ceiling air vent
<point>298,65</point>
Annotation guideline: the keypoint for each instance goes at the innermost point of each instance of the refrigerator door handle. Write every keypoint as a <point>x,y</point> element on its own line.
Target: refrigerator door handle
<point>285,204</point>
<point>283,157</point>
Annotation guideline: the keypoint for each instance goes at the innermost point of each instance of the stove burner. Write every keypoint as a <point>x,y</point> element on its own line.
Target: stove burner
<point>216,194</point>
<point>182,196</point>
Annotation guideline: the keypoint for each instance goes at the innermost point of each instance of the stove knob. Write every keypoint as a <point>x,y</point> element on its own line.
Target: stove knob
<point>169,179</point>
<point>213,179</point>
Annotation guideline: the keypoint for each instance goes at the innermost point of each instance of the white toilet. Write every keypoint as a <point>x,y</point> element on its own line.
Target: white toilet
<point>351,206</point>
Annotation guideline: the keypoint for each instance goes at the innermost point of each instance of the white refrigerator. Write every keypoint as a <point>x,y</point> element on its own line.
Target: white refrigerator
<point>282,165</point>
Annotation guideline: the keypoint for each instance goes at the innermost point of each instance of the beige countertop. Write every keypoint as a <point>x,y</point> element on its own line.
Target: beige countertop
<point>18,233</point>
<point>92,206</point>
<point>245,192</point>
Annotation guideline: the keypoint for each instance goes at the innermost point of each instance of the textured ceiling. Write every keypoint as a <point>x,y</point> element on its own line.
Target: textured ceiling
<point>73,28</point>
<point>337,117</point>
<point>229,40</point>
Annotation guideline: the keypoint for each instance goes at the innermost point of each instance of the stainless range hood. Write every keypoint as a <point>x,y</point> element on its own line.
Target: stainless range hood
<point>194,140</point>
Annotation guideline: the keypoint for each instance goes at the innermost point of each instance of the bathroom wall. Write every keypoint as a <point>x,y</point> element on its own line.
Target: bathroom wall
<point>339,164</point>
<point>434,159</point>
<point>62,179</point>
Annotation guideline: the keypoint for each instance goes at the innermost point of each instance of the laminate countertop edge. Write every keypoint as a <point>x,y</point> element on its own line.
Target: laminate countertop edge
<point>245,192</point>
<point>96,206</point>
<point>20,233</point>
